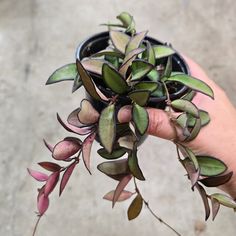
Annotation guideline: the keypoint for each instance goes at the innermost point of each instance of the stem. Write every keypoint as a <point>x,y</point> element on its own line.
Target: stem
<point>152,212</point>
<point>36,225</point>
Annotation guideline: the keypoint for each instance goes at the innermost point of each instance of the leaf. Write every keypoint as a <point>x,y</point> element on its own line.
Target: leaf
<point>139,96</point>
<point>113,168</point>
<point>120,187</point>
<point>140,118</point>
<point>49,146</point>
<point>123,196</point>
<point>127,141</point>
<point>43,203</point>
<point>189,96</point>
<point>108,52</point>
<point>116,153</point>
<point>74,120</point>
<point>135,207</point>
<point>93,65</point>
<point>51,183</point>
<point>64,73</point>
<point>114,80</point>
<point>134,166</point>
<point>193,83</point>
<point>205,200</point>
<point>66,148</point>
<point>186,106</point>
<point>135,41</point>
<point>143,85</point>
<point>66,176</point>
<point>216,181</point>
<point>107,127</point>
<point>163,51</point>
<point>168,68</point>
<point>129,58</point>
<point>77,83</point>
<point>210,166</point>
<point>140,68</point>
<point>119,40</point>
<point>215,207</point>
<point>39,176</point>
<point>127,21</point>
<point>150,54</point>
<point>204,117</point>
<point>195,131</point>
<point>73,129</point>
<point>192,173</point>
<point>153,75</point>
<point>182,121</point>
<point>87,81</point>
<point>191,156</point>
<point>50,166</point>
<point>88,114</point>
<point>86,150</point>
<point>224,200</point>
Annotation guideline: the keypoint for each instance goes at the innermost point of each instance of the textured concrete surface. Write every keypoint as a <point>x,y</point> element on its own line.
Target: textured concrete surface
<point>36,37</point>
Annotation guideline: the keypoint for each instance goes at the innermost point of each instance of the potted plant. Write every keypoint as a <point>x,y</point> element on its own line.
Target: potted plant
<point>119,68</point>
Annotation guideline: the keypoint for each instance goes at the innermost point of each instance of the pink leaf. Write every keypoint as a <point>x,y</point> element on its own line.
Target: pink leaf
<point>73,129</point>
<point>74,120</point>
<point>101,95</point>
<point>39,176</point>
<point>66,176</point>
<point>120,187</point>
<point>50,166</point>
<point>65,149</point>
<point>43,203</point>
<point>51,183</point>
<point>86,150</point>
<point>49,146</point>
<point>123,196</point>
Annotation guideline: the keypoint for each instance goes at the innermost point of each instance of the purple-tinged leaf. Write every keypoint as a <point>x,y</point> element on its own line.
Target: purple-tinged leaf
<point>120,40</point>
<point>195,131</point>
<point>77,83</point>
<point>66,177</point>
<point>39,176</point>
<point>86,150</point>
<point>65,149</point>
<point>216,181</point>
<point>87,115</point>
<point>135,207</point>
<point>224,200</point>
<point>140,68</point>
<point>127,141</point>
<point>108,52</point>
<point>43,203</point>
<point>123,196</point>
<point>120,187</point>
<point>49,146</point>
<point>51,183</point>
<point>135,41</point>
<point>93,65</point>
<point>74,120</point>
<point>215,207</point>
<point>50,166</point>
<point>192,173</point>
<point>205,200</point>
<point>40,192</point>
<point>73,129</point>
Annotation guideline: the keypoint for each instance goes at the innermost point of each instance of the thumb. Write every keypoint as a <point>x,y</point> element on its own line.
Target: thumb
<point>159,122</point>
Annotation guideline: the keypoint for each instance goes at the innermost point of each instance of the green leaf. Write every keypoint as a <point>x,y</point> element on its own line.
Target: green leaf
<point>77,83</point>
<point>163,51</point>
<point>116,153</point>
<point>93,65</point>
<point>186,106</point>
<point>192,157</point>
<point>107,127</point>
<point>150,86</point>
<point>210,166</point>
<point>204,117</point>
<point>168,68</point>
<point>119,40</point>
<point>127,21</point>
<point>150,54</point>
<point>87,81</point>
<point>114,80</point>
<point>153,75</point>
<point>224,200</point>
<point>134,166</point>
<point>113,60</point>
<point>66,72</point>
<point>193,83</point>
<point>159,92</point>
<point>129,58</point>
<point>139,96</point>
<point>135,41</point>
<point>182,121</point>
<point>135,207</point>
<point>189,96</point>
<point>140,118</point>
<point>195,131</point>
<point>140,68</point>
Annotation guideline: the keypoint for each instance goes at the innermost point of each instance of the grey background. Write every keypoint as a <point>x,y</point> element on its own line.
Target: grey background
<point>38,36</point>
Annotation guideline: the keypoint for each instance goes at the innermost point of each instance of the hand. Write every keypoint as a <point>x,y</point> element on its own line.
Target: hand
<point>217,139</point>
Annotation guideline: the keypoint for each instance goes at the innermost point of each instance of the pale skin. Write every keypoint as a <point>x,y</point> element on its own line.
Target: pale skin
<point>217,139</point>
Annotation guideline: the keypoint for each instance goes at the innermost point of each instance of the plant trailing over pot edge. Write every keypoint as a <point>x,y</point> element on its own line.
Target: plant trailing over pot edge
<point>119,68</point>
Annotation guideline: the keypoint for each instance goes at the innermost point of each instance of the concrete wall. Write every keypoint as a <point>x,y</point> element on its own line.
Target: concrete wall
<point>38,36</point>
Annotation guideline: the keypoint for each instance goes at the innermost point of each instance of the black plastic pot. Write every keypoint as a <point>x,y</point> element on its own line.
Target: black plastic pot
<point>99,42</point>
